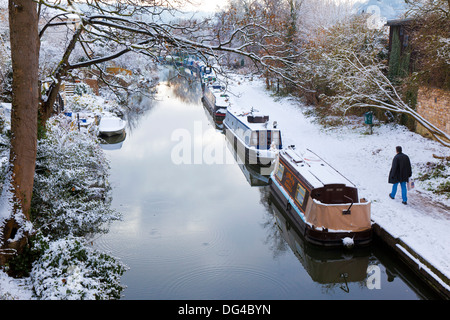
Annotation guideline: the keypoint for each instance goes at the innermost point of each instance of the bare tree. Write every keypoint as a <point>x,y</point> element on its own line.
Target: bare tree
<point>142,29</point>
<point>346,65</point>
<point>367,86</point>
<point>23,22</point>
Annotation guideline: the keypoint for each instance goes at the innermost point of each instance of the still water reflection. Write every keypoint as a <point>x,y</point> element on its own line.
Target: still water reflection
<point>213,231</point>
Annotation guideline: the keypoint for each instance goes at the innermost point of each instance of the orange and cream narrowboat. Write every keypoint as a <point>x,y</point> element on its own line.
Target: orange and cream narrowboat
<point>324,205</point>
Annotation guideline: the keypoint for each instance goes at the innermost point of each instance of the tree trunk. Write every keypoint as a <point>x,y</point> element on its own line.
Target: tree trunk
<point>23,24</point>
<point>25,87</point>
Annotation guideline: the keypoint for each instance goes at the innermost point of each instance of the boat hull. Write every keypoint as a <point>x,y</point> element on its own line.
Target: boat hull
<point>209,104</point>
<point>112,133</point>
<point>317,236</point>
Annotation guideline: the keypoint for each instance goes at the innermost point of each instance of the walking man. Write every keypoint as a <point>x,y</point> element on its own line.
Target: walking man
<point>400,173</point>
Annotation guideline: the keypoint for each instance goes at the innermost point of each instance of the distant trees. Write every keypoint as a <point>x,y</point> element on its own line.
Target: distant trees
<point>103,31</point>
<point>331,56</point>
<point>270,31</point>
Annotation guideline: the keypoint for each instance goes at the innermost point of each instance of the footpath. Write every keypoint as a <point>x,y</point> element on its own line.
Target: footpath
<point>417,258</point>
<point>419,233</point>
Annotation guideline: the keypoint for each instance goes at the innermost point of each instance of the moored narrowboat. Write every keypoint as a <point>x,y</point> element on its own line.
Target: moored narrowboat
<point>207,76</point>
<point>329,268</point>
<point>256,139</point>
<point>216,100</point>
<point>324,205</point>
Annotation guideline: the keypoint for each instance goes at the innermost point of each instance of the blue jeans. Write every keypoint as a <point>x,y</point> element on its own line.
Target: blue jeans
<point>404,190</point>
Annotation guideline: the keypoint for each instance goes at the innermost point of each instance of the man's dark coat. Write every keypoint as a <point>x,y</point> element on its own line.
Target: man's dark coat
<point>401,169</point>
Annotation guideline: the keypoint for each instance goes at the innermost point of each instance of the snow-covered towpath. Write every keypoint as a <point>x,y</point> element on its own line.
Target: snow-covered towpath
<point>423,224</point>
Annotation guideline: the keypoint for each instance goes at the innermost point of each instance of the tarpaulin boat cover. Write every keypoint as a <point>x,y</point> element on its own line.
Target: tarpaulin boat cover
<point>332,217</point>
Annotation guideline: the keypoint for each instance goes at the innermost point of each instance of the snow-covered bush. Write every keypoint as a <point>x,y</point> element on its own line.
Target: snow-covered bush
<point>71,191</point>
<point>69,269</point>
<point>4,150</point>
<point>436,177</point>
<point>339,55</point>
<point>5,63</point>
<point>87,101</point>
<point>71,199</point>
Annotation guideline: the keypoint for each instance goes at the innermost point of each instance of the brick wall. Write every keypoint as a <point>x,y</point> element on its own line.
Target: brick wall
<point>434,105</point>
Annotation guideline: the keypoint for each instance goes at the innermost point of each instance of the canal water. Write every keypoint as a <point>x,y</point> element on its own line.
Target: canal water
<point>198,225</point>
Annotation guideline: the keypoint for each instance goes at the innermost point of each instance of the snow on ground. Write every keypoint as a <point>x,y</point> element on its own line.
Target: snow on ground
<point>365,159</point>
<point>14,289</point>
<point>423,224</point>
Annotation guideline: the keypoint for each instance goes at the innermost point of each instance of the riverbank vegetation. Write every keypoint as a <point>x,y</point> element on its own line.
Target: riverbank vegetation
<point>437,176</point>
<point>71,203</point>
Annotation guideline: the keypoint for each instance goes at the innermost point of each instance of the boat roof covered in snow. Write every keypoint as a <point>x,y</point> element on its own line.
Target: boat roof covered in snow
<point>252,118</point>
<point>222,100</point>
<point>313,168</point>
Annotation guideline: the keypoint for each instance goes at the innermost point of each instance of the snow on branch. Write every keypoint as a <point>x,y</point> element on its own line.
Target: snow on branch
<point>367,86</point>
<point>112,34</point>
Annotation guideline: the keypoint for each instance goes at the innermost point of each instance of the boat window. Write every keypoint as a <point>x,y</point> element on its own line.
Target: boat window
<point>276,138</point>
<point>264,139</point>
<point>280,171</point>
<point>300,195</point>
<point>254,139</point>
<point>335,194</point>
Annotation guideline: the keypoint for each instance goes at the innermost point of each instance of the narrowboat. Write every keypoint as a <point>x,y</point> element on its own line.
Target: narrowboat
<point>207,76</point>
<point>254,136</point>
<point>217,101</point>
<point>329,268</point>
<point>324,205</point>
